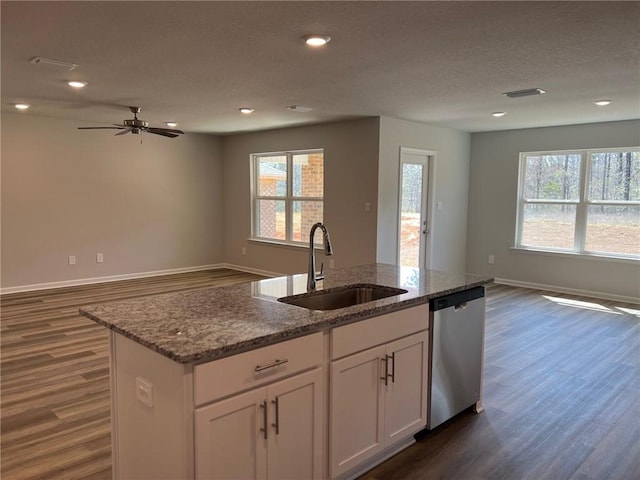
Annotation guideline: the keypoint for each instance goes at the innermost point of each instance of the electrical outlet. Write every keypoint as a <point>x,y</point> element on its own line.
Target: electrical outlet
<point>72,259</point>
<point>367,206</point>
<point>244,250</point>
<point>144,391</point>
<point>99,258</point>
<point>332,263</point>
<point>492,259</point>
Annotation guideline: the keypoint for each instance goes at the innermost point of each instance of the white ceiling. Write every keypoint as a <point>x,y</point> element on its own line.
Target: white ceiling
<point>443,63</point>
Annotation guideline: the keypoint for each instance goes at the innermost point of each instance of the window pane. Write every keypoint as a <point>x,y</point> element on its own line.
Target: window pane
<point>548,226</point>
<point>305,214</point>
<point>615,176</point>
<point>308,175</point>
<point>272,176</point>
<point>613,229</point>
<point>271,219</point>
<point>552,177</point>
<point>410,214</point>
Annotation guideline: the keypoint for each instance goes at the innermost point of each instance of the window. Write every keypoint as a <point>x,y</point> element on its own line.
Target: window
<point>583,201</point>
<point>288,191</point>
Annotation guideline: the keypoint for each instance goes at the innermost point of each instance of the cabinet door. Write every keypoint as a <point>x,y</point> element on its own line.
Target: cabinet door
<point>356,431</point>
<point>295,448</point>
<point>406,390</point>
<point>228,441</point>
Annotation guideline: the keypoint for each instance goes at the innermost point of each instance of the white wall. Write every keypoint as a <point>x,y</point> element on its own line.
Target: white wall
<point>351,179</point>
<point>449,225</point>
<point>492,209</point>
<point>146,207</point>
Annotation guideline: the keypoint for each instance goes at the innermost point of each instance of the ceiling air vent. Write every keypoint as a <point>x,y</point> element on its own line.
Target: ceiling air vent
<point>55,63</point>
<point>525,93</point>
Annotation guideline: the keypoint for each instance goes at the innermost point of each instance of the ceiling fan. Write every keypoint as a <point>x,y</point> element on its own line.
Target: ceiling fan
<point>137,126</point>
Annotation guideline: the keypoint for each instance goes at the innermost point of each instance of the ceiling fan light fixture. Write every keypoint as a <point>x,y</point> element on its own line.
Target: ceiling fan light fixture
<point>602,103</point>
<point>76,84</point>
<point>22,106</point>
<point>499,114</point>
<point>316,40</point>
<point>246,110</point>
<point>525,93</point>
<point>171,124</point>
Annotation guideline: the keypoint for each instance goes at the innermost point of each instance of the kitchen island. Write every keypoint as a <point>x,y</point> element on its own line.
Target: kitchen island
<point>230,382</point>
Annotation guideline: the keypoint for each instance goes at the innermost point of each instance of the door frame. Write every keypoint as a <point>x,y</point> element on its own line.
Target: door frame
<point>428,202</point>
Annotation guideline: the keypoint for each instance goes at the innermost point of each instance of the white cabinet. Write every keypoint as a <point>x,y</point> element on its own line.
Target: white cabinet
<point>270,432</point>
<point>379,395</point>
<point>406,391</point>
<point>356,409</point>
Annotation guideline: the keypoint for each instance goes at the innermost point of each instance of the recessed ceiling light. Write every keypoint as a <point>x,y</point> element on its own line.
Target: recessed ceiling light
<point>602,103</point>
<point>246,110</point>
<point>316,40</point>
<point>525,93</point>
<point>22,106</point>
<point>76,84</point>
<point>499,114</point>
<point>171,124</point>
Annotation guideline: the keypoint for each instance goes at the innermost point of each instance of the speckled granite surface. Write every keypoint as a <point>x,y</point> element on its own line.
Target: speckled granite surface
<point>201,325</point>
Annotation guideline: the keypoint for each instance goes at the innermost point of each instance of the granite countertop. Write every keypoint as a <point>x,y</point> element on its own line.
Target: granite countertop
<point>200,325</point>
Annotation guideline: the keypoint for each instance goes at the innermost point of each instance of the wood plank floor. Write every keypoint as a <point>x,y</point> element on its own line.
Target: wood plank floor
<point>54,376</point>
<point>561,397</point>
<point>562,389</point>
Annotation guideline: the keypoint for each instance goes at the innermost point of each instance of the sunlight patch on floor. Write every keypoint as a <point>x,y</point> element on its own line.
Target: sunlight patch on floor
<point>568,302</point>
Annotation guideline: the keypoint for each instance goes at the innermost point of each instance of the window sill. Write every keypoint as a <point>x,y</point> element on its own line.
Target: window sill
<point>577,255</point>
<point>282,244</point>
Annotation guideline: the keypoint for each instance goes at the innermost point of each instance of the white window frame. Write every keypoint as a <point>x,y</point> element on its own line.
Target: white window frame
<point>288,199</point>
<point>582,204</point>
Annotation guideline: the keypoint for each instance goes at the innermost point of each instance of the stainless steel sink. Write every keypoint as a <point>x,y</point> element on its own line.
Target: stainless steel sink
<point>342,297</point>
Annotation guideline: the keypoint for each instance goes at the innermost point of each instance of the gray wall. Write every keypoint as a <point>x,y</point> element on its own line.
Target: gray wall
<point>449,225</point>
<point>351,180</point>
<point>492,209</point>
<point>146,207</point>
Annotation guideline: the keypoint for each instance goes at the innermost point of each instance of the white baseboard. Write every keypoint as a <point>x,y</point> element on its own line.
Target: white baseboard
<point>257,271</point>
<point>110,278</point>
<point>572,291</point>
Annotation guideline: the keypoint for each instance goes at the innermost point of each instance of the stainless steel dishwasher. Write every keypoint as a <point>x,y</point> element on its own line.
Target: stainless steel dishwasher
<point>456,330</point>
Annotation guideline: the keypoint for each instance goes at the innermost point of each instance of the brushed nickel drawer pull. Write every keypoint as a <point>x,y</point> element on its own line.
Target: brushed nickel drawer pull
<point>277,362</point>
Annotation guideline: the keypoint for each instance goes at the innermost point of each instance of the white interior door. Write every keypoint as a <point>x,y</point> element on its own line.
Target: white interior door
<point>414,219</point>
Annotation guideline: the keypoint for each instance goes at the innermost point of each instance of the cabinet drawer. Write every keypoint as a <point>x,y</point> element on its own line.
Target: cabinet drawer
<point>359,336</point>
<point>239,372</point>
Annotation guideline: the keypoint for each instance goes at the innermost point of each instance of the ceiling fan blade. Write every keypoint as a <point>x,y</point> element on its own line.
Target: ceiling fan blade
<point>123,132</point>
<point>161,132</point>
<point>167,130</point>
<point>100,128</point>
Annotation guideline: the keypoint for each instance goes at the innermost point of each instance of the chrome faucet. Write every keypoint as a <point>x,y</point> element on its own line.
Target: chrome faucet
<point>313,276</point>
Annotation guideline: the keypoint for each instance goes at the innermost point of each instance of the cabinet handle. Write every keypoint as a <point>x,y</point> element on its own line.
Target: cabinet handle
<point>275,363</point>
<point>276,425</point>
<point>393,367</point>
<point>263,406</point>
<point>385,377</point>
